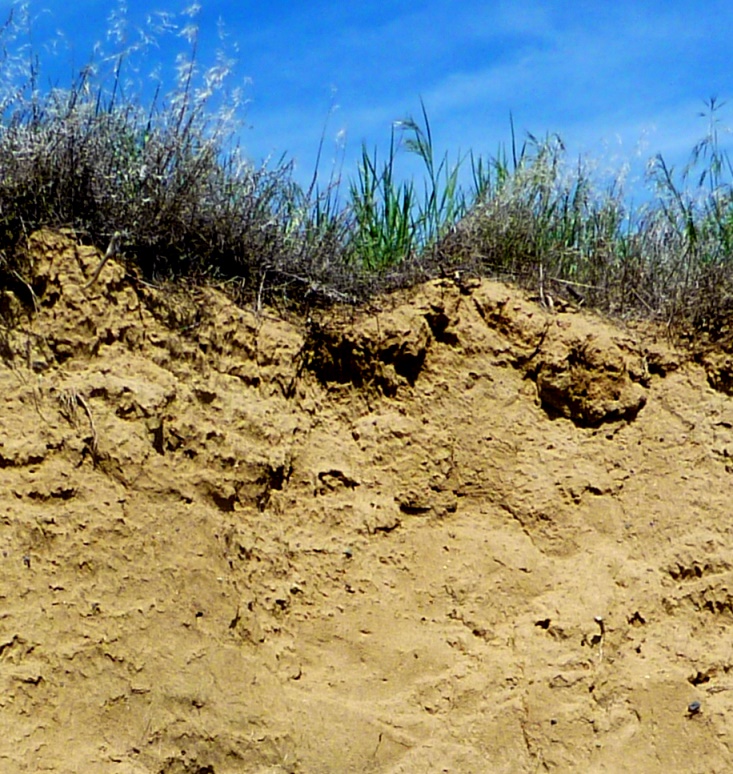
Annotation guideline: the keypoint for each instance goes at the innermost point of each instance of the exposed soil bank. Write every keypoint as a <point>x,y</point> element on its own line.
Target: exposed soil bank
<point>457,534</point>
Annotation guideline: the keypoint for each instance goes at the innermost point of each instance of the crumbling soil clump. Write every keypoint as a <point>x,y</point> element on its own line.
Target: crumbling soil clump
<point>453,532</point>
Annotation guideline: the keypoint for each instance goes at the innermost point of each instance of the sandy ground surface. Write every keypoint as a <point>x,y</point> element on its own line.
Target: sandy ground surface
<point>455,533</point>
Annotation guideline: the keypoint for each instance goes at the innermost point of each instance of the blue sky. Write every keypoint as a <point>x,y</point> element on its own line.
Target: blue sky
<point>619,80</point>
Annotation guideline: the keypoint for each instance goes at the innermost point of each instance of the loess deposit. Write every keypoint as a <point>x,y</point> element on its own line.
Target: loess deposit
<point>453,532</point>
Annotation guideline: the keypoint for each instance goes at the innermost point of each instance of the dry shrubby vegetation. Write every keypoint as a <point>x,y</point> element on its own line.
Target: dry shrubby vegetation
<point>169,175</point>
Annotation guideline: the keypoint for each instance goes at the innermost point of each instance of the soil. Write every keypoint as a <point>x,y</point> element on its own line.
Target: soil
<point>455,532</point>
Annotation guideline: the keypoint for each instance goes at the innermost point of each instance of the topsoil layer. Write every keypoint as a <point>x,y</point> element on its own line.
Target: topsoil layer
<point>456,532</point>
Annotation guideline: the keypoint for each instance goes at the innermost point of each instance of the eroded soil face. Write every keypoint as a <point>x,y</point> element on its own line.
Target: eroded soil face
<point>454,534</point>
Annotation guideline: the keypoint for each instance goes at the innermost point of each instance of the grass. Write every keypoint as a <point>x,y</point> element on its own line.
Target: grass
<point>169,175</point>
<point>393,221</point>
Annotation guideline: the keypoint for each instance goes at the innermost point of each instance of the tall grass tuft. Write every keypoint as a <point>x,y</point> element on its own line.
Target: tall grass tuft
<point>394,220</point>
<point>384,227</point>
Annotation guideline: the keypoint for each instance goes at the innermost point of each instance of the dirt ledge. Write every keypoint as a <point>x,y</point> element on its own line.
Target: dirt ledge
<point>452,533</point>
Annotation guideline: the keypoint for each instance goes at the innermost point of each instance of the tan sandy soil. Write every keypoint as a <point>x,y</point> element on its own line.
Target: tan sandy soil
<point>455,533</point>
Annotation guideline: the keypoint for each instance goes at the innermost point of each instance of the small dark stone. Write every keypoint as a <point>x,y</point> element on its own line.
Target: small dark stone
<point>694,707</point>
